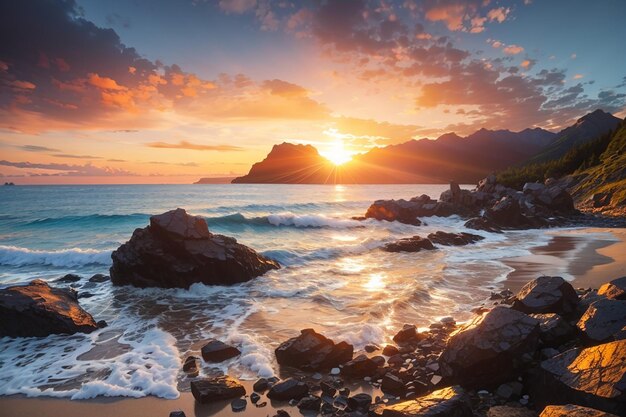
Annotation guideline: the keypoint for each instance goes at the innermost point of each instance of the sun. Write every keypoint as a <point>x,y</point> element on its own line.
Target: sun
<point>337,154</point>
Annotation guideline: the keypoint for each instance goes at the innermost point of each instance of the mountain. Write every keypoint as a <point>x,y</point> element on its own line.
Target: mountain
<point>449,157</point>
<point>584,130</point>
<point>289,163</point>
<point>601,186</point>
<point>215,180</point>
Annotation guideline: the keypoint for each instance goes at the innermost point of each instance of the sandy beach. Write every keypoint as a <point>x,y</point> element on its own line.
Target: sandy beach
<point>591,256</point>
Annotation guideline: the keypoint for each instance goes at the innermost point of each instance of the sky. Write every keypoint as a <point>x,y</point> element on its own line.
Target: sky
<point>156,91</point>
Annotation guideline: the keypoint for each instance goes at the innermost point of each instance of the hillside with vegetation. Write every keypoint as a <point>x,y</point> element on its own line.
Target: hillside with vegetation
<point>595,172</point>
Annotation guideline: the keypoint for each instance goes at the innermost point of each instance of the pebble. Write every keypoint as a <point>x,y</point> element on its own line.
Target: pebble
<point>335,371</point>
<point>239,404</point>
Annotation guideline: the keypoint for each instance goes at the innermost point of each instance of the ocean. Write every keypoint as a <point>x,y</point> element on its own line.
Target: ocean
<point>334,279</point>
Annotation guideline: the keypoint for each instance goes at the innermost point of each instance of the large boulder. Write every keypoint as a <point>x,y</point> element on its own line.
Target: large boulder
<point>547,295</point>
<point>592,377</point>
<point>311,351</point>
<point>409,244</point>
<point>572,410</point>
<point>37,310</point>
<point>177,250</point>
<point>359,367</point>
<point>216,389</point>
<point>507,214</point>
<point>396,210</point>
<point>615,290</point>
<point>446,402</point>
<point>453,239</point>
<point>554,330</point>
<point>483,223</point>
<point>489,349</point>
<point>604,320</point>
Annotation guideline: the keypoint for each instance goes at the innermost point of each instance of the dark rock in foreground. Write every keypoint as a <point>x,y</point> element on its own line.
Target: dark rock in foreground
<point>311,351</point>
<point>410,244</point>
<point>359,367</point>
<point>547,295</point>
<point>446,402</point>
<point>614,290</point>
<point>217,351</point>
<point>488,350</point>
<point>177,250</point>
<point>210,390</point>
<point>604,320</point>
<point>593,377</point>
<point>37,310</point>
<point>288,389</point>
<point>554,330</point>
<point>453,239</point>
<point>571,410</point>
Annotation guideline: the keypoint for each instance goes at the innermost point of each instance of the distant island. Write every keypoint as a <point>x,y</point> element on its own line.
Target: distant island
<point>215,180</point>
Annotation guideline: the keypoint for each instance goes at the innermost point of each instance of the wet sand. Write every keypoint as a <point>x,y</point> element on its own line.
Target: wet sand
<point>590,257</point>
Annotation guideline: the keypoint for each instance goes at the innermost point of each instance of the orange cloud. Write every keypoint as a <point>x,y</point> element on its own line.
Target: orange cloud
<point>578,76</point>
<point>193,146</point>
<point>513,49</point>
<point>104,83</point>
<point>499,15</point>
<point>23,85</point>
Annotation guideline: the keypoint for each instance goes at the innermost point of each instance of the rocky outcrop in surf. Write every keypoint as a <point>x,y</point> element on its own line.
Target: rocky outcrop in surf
<point>490,206</point>
<point>177,250</point>
<point>37,310</point>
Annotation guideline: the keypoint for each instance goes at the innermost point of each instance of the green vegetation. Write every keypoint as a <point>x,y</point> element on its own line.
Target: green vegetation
<point>578,159</point>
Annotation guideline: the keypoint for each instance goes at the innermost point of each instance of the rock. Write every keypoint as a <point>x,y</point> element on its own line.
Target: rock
<point>601,199</point>
<point>371,348</point>
<point>453,239</point>
<point>68,279</point>
<point>603,320</point>
<point>217,351</point>
<point>547,295</point>
<point>310,403</point>
<point>395,210</point>
<point>359,367</point>
<point>508,411</point>
<point>38,310</point>
<point>507,213</point>
<point>614,290</point>
<point>177,414</point>
<point>446,402</point>
<point>261,385</point>
<point>483,223</point>
<point>360,402</point>
<point>281,413</point>
<point>392,384</point>
<point>238,404</point>
<point>219,388</point>
<point>554,330</point>
<point>313,352</point>
<point>190,367</point>
<point>533,187</point>
<point>328,389</point>
<point>254,398</point>
<point>592,377</point>
<point>390,350</point>
<point>407,334</point>
<point>177,250</point>
<point>98,278</point>
<point>288,389</point>
<point>410,244</point>
<point>487,350</point>
<point>571,410</point>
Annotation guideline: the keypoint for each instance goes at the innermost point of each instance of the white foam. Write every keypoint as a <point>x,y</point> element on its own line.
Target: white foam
<point>310,220</point>
<point>16,256</point>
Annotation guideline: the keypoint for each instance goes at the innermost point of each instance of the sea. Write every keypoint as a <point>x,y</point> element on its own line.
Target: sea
<point>334,278</point>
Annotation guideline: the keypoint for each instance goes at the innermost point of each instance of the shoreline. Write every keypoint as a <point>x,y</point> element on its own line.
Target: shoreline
<point>591,255</point>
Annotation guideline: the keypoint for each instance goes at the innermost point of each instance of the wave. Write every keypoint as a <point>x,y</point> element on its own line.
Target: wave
<point>16,256</point>
<point>286,219</point>
<point>88,219</point>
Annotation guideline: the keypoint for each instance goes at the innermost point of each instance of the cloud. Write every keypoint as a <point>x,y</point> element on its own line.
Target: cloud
<point>36,148</point>
<point>193,146</point>
<point>577,76</point>
<point>70,170</point>
<point>237,6</point>
<point>513,49</point>
<point>67,155</point>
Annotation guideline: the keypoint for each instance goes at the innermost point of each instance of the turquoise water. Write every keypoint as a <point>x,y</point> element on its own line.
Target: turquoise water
<point>334,278</point>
